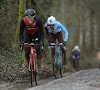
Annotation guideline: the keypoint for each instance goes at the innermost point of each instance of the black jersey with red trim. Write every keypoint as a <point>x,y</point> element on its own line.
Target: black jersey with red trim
<point>31,29</point>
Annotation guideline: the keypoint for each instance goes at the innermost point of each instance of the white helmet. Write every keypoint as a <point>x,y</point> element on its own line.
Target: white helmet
<point>51,20</point>
<point>76,48</point>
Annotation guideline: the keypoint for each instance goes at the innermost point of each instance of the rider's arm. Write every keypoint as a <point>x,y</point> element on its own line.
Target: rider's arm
<point>40,26</point>
<point>72,55</point>
<point>22,27</point>
<point>63,29</point>
<point>78,55</point>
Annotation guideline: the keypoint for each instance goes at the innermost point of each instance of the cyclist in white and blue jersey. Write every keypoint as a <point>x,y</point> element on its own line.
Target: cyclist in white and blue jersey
<point>54,30</point>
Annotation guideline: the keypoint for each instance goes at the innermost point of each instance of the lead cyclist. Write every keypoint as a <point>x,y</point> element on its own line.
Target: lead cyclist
<point>31,27</point>
<point>54,30</point>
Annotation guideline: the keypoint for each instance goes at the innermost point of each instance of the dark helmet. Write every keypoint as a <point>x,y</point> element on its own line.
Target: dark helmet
<point>30,12</point>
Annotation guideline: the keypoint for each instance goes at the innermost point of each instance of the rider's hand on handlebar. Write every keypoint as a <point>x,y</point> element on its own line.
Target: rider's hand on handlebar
<point>48,43</point>
<point>65,43</point>
<point>21,45</point>
<point>41,43</point>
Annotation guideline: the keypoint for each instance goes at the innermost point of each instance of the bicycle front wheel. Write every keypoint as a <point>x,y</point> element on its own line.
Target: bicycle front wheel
<point>56,68</point>
<point>61,69</point>
<point>32,69</point>
<point>61,65</point>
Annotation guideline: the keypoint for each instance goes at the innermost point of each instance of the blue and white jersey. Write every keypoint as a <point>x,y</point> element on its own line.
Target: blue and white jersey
<point>57,28</point>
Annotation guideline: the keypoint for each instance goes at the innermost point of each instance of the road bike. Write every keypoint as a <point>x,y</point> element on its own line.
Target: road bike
<point>58,61</point>
<point>33,61</point>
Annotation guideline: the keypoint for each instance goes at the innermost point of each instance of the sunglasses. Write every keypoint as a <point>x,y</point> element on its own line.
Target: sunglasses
<point>51,25</point>
<point>30,16</point>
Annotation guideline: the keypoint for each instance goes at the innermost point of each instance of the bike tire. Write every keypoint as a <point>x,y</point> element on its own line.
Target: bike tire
<point>36,78</point>
<point>32,70</point>
<point>56,68</point>
<point>61,66</point>
<point>61,70</point>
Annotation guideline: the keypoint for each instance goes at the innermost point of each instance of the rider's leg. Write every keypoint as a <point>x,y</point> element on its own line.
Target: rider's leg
<point>28,39</point>
<point>39,60</point>
<point>27,52</point>
<point>78,63</point>
<point>53,40</point>
<point>74,63</point>
<point>52,52</point>
<point>64,52</point>
<point>60,39</point>
<point>39,56</point>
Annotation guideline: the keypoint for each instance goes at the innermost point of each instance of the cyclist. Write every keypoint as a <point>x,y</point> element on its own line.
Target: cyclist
<point>75,55</point>
<point>32,27</point>
<point>54,30</point>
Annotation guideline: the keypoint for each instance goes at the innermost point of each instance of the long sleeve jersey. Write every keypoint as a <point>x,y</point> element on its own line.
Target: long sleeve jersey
<point>57,28</point>
<point>31,29</point>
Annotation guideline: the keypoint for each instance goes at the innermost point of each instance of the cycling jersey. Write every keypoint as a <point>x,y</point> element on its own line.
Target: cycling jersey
<point>76,53</point>
<point>57,28</point>
<point>31,29</point>
<point>35,28</point>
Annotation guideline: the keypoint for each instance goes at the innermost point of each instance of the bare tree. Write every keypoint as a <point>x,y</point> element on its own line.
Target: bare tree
<point>98,33</point>
<point>22,9</point>
<point>76,33</point>
<point>92,46</point>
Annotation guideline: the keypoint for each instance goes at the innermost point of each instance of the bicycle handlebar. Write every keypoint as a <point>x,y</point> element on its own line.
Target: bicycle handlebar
<point>59,44</point>
<point>31,44</point>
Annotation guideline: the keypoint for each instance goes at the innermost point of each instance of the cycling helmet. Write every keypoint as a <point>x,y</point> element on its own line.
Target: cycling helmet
<point>51,20</point>
<point>76,48</point>
<point>30,12</point>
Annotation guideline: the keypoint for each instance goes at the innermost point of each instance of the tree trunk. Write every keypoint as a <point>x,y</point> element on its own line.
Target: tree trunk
<point>92,46</point>
<point>77,23</point>
<point>98,33</point>
<point>22,9</point>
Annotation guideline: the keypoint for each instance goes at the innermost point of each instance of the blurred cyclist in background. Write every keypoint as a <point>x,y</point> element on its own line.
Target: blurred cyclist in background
<point>54,30</point>
<point>75,55</point>
<point>32,28</point>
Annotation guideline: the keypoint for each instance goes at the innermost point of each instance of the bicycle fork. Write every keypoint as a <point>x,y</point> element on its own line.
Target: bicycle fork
<point>33,52</point>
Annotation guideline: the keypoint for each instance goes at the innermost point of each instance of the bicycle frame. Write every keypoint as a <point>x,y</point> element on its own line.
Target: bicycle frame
<point>59,56</point>
<point>33,61</point>
<point>57,63</point>
<point>33,52</point>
